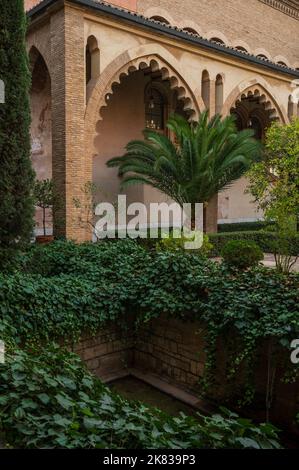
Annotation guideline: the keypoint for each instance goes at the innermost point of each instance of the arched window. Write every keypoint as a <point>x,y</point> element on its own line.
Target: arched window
<point>92,59</point>
<point>218,41</point>
<point>160,19</point>
<point>282,63</point>
<point>154,109</point>
<point>218,94</point>
<point>241,49</point>
<point>205,88</point>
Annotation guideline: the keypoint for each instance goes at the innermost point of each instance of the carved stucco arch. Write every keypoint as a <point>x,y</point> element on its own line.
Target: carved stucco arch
<point>155,11</point>
<point>138,58</point>
<point>36,47</point>
<point>258,87</point>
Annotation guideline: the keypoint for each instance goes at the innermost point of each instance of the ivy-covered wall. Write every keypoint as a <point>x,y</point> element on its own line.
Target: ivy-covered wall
<point>174,351</point>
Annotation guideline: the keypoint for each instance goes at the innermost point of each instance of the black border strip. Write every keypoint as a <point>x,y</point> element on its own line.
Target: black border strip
<point>170,31</point>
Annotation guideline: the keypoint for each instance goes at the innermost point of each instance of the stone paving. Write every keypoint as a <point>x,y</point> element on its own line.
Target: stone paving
<point>269,262</point>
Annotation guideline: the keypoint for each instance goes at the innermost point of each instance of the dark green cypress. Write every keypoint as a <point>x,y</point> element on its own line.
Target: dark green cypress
<point>16,173</point>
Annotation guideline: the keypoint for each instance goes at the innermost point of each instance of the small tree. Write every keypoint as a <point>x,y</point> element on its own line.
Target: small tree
<point>16,174</point>
<point>45,198</point>
<point>274,183</point>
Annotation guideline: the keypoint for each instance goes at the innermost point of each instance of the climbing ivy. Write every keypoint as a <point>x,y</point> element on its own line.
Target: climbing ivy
<point>64,290</point>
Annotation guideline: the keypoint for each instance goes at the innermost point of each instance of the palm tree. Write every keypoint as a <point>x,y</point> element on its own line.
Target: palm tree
<point>206,158</point>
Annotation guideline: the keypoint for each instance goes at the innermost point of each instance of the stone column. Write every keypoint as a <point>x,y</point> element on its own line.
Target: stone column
<point>68,108</point>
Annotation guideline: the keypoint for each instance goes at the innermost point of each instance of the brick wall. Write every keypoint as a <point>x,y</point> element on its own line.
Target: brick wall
<point>254,22</point>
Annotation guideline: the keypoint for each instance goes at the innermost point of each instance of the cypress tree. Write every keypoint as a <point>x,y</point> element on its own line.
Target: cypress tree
<point>16,173</point>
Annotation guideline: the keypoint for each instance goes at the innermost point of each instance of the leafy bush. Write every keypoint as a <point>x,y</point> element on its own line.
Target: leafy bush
<point>87,286</point>
<point>242,254</point>
<point>262,238</point>
<point>49,400</point>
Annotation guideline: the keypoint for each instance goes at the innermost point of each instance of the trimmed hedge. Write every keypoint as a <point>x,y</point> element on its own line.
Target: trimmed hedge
<point>244,226</point>
<point>263,239</point>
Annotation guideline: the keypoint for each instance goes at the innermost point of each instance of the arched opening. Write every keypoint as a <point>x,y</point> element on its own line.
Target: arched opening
<point>160,19</point>
<point>255,110</point>
<point>219,94</point>
<point>218,41</point>
<point>92,59</point>
<point>41,127</point>
<point>283,64</point>
<point>205,88</point>
<point>142,99</point>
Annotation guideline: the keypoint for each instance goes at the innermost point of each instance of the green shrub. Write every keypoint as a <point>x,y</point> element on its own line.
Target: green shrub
<point>49,400</point>
<point>242,254</point>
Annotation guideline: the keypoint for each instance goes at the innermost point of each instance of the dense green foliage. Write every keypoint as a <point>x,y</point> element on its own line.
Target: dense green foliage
<point>16,174</point>
<point>241,254</point>
<point>49,400</point>
<point>46,198</point>
<point>267,241</point>
<point>65,289</point>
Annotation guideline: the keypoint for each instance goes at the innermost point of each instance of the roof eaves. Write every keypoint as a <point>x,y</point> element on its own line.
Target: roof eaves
<point>169,30</point>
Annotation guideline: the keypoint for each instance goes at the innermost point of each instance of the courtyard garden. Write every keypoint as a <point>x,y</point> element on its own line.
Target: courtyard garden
<point>213,324</point>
